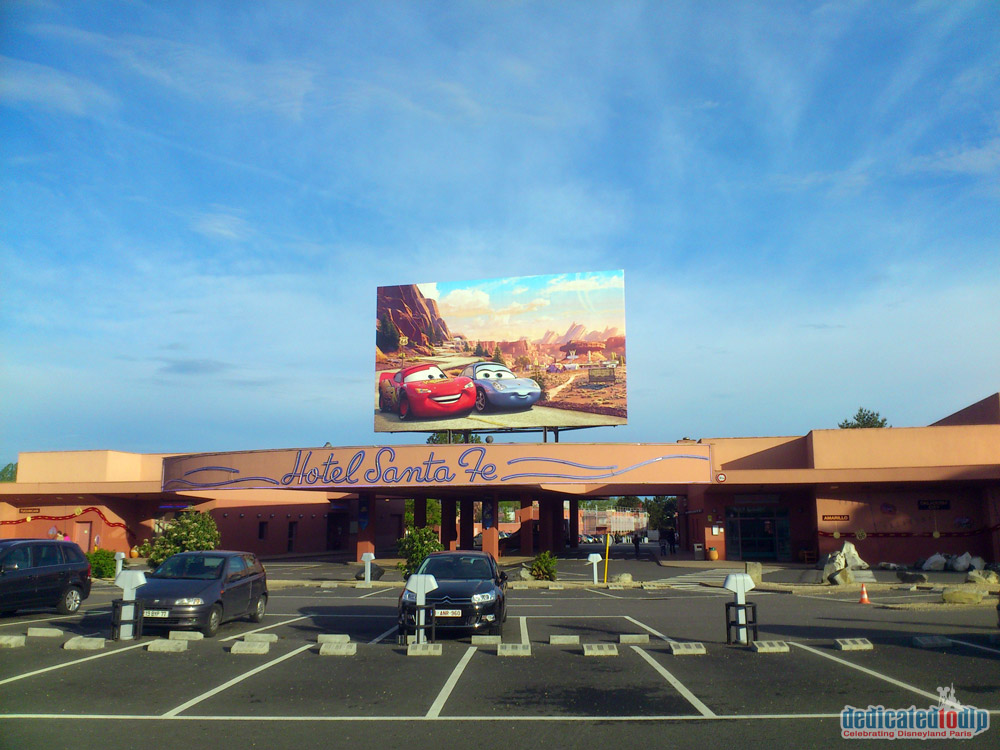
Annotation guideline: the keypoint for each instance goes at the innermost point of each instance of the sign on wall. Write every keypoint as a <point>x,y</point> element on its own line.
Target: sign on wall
<point>527,351</point>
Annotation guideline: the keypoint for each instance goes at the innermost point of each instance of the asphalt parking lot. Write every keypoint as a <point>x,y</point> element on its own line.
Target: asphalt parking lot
<point>126,696</point>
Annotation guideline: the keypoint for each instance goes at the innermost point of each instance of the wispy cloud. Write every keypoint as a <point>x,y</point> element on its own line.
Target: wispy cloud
<point>41,85</point>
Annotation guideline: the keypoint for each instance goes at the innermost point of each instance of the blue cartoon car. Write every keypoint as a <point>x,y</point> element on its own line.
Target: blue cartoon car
<point>497,387</point>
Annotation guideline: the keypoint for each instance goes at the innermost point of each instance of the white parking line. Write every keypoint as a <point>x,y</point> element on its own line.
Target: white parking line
<point>387,633</point>
<point>677,684</point>
<point>435,710</point>
<point>974,645</point>
<point>56,617</point>
<point>604,593</point>
<point>524,630</point>
<point>871,672</point>
<point>657,633</point>
<point>71,663</point>
<point>226,685</point>
<point>266,627</point>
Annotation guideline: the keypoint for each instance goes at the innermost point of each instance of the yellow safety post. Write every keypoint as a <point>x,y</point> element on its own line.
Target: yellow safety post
<point>607,553</point>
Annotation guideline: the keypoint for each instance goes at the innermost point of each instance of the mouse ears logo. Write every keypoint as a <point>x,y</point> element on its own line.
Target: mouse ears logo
<point>948,720</point>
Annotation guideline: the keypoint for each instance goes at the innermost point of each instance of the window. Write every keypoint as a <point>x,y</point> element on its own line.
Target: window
<point>262,530</point>
<point>47,555</point>
<point>237,567</point>
<point>18,559</point>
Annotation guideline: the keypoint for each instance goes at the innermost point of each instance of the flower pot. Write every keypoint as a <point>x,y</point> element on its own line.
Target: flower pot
<point>713,554</point>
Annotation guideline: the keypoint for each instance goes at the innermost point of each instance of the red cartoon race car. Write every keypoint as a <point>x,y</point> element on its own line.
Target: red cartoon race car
<point>425,391</point>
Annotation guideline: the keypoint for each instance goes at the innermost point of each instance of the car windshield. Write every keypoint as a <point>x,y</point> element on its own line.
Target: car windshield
<point>456,568</point>
<point>494,372</point>
<point>199,567</point>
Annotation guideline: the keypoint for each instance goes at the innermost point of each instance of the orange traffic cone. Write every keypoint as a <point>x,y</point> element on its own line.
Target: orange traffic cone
<point>864,595</point>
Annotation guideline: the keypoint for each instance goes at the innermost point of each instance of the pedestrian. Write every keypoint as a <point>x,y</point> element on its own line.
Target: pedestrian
<point>663,542</point>
<point>673,541</point>
<point>635,541</point>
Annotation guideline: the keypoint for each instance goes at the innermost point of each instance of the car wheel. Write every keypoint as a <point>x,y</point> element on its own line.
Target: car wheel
<point>481,403</point>
<point>404,408</point>
<point>213,622</point>
<point>70,601</point>
<point>257,613</point>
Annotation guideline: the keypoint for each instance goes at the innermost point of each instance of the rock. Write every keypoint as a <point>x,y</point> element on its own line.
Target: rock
<point>961,563</point>
<point>906,576</point>
<point>836,559</point>
<point>890,566</point>
<point>841,578</point>
<point>622,578</point>
<point>377,572</point>
<point>935,562</point>
<point>852,558</point>
<point>978,563</point>
<point>830,570</point>
<point>525,575</point>
<point>756,571</point>
<point>962,596</point>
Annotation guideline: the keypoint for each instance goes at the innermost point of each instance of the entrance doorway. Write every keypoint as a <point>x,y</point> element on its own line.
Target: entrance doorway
<point>82,535</point>
<point>757,533</point>
<point>337,527</point>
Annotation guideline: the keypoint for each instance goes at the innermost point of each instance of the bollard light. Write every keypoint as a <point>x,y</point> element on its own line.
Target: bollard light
<point>594,558</point>
<point>739,584</point>
<point>367,558</point>
<point>421,585</point>
<point>128,581</point>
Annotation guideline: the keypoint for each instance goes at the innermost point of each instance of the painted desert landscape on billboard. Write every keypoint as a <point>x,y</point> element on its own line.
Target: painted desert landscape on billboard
<point>521,352</point>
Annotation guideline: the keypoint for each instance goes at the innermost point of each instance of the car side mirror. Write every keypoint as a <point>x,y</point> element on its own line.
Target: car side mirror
<point>503,576</point>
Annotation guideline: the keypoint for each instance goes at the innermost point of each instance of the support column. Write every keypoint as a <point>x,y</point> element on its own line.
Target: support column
<point>527,531</point>
<point>545,535</point>
<point>466,524</point>
<point>449,538</point>
<point>574,524</point>
<point>558,527</point>
<point>491,530</point>
<point>366,525</point>
<point>419,512</point>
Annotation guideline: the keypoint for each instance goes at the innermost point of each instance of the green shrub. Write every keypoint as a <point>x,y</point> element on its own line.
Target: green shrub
<point>191,530</point>
<point>415,546</point>
<point>543,567</point>
<point>102,563</point>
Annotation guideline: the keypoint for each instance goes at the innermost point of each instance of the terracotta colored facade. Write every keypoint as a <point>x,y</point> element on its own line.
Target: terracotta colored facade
<point>897,493</point>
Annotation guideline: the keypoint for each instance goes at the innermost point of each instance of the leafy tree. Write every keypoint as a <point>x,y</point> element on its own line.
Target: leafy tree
<point>8,473</point>
<point>523,362</point>
<point>433,513</point>
<point>415,546</point>
<point>661,511</point>
<point>498,356</point>
<point>629,502</point>
<point>864,418</point>
<point>543,567</point>
<point>452,436</point>
<point>191,530</point>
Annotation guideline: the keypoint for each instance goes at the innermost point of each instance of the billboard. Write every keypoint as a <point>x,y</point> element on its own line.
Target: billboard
<point>494,354</point>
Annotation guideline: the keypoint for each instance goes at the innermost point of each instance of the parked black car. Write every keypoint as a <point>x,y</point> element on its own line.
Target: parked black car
<point>42,573</point>
<point>470,593</point>
<point>201,590</point>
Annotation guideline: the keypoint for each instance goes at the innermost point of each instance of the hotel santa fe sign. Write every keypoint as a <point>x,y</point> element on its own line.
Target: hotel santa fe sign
<point>383,467</point>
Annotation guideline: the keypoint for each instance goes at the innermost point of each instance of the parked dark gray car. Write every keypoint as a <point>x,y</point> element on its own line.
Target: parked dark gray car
<point>42,573</point>
<point>201,590</point>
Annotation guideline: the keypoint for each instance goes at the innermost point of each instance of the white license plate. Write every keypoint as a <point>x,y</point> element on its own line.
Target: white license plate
<point>155,613</point>
<point>447,613</point>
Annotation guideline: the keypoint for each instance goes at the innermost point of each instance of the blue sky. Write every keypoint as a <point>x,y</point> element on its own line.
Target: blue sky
<point>199,200</point>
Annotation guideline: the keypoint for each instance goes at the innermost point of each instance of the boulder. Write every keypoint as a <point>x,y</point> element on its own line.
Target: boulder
<point>907,576</point>
<point>836,559</point>
<point>852,558</point>
<point>962,596</point>
<point>525,574</point>
<point>961,563</point>
<point>622,578</point>
<point>890,566</point>
<point>377,572</point>
<point>978,563</point>
<point>841,578</point>
<point>935,562</point>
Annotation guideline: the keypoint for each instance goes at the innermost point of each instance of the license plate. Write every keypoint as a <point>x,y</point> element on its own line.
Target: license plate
<point>447,613</point>
<point>155,613</point>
